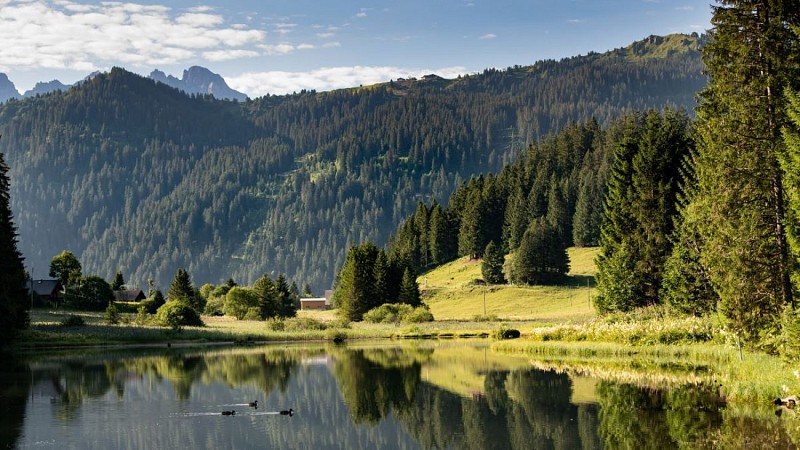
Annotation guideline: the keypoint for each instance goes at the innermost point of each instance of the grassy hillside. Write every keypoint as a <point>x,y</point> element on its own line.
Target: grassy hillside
<point>454,292</point>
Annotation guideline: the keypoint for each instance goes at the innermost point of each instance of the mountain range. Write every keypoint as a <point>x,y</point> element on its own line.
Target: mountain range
<point>132,174</point>
<point>195,80</point>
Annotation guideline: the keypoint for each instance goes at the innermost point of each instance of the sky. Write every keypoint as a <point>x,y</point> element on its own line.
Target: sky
<point>281,46</point>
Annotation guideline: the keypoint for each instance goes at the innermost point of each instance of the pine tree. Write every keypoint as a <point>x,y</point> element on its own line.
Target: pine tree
<point>118,282</point>
<point>265,290</point>
<point>181,289</point>
<point>641,210</point>
<point>14,301</point>
<point>443,236</point>
<point>472,233</point>
<point>541,257</point>
<point>354,293</point>
<point>492,264</point>
<point>409,289</point>
<point>751,57</point>
<point>286,299</point>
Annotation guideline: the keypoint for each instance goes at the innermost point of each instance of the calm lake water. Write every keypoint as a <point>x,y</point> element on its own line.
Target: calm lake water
<point>429,395</point>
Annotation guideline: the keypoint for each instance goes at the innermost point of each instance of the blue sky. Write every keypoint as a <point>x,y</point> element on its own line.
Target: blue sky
<point>281,46</point>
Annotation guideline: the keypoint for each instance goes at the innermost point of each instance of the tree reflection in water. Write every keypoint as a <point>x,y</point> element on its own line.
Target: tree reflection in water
<point>377,397</point>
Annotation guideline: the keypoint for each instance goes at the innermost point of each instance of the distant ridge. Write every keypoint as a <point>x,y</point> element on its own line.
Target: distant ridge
<point>199,80</point>
<point>196,80</point>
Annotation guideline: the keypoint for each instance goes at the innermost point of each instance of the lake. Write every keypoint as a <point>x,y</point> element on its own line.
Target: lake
<point>407,395</point>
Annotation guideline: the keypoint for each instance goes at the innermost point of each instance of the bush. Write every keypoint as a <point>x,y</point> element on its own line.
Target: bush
<point>276,324</point>
<point>419,315</point>
<point>177,314</point>
<point>214,306</point>
<point>253,313</point>
<point>487,318</point>
<point>398,312</point>
<point>143,317</point>
<point>73,321</point>
<point>303,324</point>
<point>112,314</point>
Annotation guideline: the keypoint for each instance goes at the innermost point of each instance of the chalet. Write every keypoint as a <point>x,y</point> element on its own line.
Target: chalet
<point>131,295</point>
<point>49,291</point>
<point>317,303</point>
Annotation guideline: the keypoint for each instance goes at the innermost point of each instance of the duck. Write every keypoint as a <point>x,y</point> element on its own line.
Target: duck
<point>289,412</point>
<point>229,413</point>
<point>789,402</point>
<point>253,404</point>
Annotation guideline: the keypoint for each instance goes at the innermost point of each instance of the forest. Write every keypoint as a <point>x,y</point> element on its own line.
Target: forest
<point>137,177</point>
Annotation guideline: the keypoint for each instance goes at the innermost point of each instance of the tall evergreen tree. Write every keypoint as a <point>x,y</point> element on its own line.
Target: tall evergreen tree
<point>541,257</point>
<point>641,209</point>
<point>492,264</point>
<point>286,298</point>
<point>354,293</point>
<point>409,289</point>
<point>118,282</point>
<point>267,293</point>
<point>181,288</point>
<point>751,57</point>
<point>472,233</point>
<point>14,301</point>
<point>443,236</point>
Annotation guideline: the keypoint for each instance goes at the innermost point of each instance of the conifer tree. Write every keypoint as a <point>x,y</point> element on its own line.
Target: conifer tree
<point>286,298</point>
<point>641,209</point>
<point>267,294</point>
<point>472,233</point>
<point>354,293</point>
<point>516,217</point>
<point>409,289</point>
<point>443,236</point>
<point>14,301</point>
<point>541,257</point>
<point>492,264</point>
<point>181,288</point>
<point>752,56</point>
<point>118,282</point>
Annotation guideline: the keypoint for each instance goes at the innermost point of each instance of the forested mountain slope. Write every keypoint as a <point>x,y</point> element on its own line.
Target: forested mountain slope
<point>133,175</point>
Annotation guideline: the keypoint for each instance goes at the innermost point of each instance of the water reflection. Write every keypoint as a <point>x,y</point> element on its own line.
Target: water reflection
<point>425,396</point>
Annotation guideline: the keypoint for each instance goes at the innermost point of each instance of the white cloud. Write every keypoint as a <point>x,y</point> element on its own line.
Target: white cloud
<point>685,8</point>
<point>227,55</point>
<point>488,36</point>
<point>64,34</point>
<point>362,14</point>
<point>257,84</point>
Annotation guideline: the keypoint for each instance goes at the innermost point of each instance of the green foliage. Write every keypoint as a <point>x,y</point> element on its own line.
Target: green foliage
<point>641,208</point>
<point>152,304</point>
<point>73,321</point>
<point>182,289</point>
<point>287,297</point>
<point>91,293</point>
<point>397,313</point>
<point>178,314</point>
<point>66,267</point>
<point>752,57</point>
<point>295,324</point>
<point>118,281</point>
<point>215,306</point>
<point>253,313</point>
<point>492,264</point>
<point>238,301</point>
<point>14,301</point>
<point>409,289</point>
<point>354,292</point>
<point>541,257</point>
<point>112,314</point>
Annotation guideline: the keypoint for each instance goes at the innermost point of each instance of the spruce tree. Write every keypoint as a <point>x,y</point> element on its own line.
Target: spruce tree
<point>181,289</point>
<point>409,289</point>
<point>286,298</point>
<point>118,282</point>
<point>492,264</point>
<point>472,233</point>
<point>14,301</point>
<point>541,257</point>
<point>265,290</point>
<point>751,57</point>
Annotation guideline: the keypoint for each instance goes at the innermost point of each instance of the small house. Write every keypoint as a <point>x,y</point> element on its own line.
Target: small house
<point>316,303</point>
<point>130,295</point>
<point>50,292</point>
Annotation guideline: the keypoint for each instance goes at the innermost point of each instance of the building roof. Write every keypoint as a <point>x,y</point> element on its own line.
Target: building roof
<point>47,287</point>
<point>130,295</point>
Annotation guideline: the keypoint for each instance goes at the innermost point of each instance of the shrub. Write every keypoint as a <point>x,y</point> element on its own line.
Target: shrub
<point>177,314</point>
<point>73,321</point>
<point>253,313</point>
<point>419,315</point>
<point>214,306</point>
<point>276,324</point>
<point>112,314</point>
<point>398,312</point>
<point>303,324</point>
<point>487,318</point>
<point>142,316</point>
